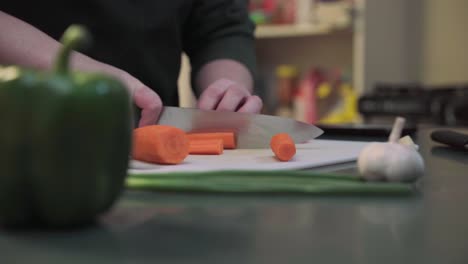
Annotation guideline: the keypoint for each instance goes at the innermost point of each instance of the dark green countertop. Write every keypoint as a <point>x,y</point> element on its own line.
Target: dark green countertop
<point>149,227</point>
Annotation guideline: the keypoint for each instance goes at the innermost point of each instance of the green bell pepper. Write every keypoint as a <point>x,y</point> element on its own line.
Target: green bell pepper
<point>65,140</point>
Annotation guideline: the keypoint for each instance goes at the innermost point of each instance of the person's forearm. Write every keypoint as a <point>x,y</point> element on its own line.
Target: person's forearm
<point>223,69</point>
<point>23,44</point>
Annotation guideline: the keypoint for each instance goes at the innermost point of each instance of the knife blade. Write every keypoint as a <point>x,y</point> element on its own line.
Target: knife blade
<point>253,131</point>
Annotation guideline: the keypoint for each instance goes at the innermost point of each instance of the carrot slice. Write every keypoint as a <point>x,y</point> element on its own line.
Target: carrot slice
<point>160,144</point>
<point>229,139</point>
<point>206,147</point>
<point>283,146</point>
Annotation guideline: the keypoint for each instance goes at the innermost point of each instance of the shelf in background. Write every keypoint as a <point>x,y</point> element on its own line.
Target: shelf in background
<point>285,31</point>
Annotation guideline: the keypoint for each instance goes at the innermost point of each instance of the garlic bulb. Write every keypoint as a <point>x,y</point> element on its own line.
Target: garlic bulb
<point>391,161</point>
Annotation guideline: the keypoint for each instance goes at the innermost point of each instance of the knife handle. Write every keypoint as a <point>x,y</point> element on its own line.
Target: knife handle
<point>451,138</point>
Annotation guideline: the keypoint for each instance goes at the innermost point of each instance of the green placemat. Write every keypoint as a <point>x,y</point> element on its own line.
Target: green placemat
<point>266,182</point>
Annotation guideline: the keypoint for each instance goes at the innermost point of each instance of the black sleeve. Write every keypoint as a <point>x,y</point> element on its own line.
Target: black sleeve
<point>219,29</point>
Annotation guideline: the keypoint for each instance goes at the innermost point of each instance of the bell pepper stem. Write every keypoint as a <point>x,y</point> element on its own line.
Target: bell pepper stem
<point>74,37</point>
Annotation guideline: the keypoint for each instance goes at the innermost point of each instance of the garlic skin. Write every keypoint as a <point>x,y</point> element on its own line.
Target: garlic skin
<point>390,161</point>
<point>407,141</point>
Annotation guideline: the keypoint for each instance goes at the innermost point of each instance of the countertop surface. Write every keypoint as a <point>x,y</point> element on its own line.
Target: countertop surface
<point>146,227</point>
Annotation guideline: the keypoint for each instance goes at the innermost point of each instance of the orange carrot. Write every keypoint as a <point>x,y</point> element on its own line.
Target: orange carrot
<point>283,146</point>
<point>206,147</point>
<point>229,139</point>
<point>160,144</point>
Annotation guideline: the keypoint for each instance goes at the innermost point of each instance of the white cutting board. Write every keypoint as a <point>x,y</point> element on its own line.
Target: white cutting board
<point>309,155</point>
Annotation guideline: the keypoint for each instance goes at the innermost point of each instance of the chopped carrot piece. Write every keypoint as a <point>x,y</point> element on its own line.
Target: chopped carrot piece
<point>206,147</point>
<point>160,144</point>
<point>283,146</point>
<point>229,139</point>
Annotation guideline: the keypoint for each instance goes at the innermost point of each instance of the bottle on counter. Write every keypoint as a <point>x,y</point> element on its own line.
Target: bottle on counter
<point>304,100</point>
<point>286,80</point>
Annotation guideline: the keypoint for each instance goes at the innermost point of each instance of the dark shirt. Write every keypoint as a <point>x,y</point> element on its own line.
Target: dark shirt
<point>146,37</point>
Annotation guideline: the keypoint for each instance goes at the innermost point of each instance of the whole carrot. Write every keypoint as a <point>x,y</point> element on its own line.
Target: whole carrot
<point>160,144</point>
<point>283,146</point>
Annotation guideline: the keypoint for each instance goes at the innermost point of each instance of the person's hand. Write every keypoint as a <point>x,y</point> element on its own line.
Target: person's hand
<point>146,99</point>
<point>226,95</point>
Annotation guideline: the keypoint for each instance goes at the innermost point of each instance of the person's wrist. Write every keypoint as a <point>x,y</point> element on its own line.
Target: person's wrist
<point>85,63</point>
<point>130,82</point>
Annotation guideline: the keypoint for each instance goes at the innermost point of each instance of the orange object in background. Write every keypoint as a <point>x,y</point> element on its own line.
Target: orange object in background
<point>206,147</point>
<point>229,138</point>
<point>160,144</point>
<point>283,146</point>
<point>286,77</point>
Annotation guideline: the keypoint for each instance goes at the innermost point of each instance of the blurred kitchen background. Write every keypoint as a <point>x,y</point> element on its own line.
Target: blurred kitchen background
<point>345,62</point>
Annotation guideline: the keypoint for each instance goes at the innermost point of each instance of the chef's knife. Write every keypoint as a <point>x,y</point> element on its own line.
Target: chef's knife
<point>252,130</point>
